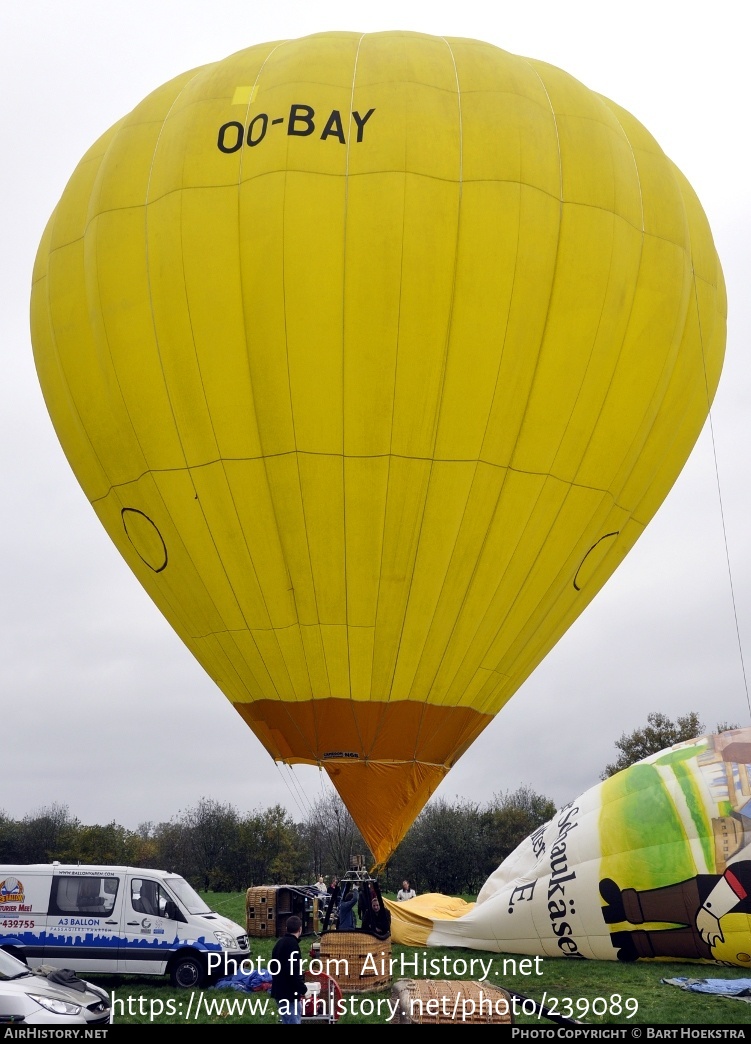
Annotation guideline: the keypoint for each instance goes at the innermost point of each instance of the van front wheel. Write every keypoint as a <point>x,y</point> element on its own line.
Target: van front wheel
<point>187,973</point>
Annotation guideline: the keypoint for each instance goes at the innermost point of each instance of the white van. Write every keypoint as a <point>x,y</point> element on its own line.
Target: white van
<point>113,919</point>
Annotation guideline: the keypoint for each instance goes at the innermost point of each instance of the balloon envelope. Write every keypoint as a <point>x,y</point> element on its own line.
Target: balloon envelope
<point>653,863</point>
<point>374,356</point>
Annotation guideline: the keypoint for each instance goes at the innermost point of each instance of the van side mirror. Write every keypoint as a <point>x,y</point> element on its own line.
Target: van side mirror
<point>172,911</point>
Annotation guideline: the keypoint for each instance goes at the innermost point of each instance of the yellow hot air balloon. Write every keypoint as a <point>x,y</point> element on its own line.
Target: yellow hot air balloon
<point>374,355</point>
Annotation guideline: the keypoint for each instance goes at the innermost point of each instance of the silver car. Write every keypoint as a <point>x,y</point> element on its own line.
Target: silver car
<point>31,998</point>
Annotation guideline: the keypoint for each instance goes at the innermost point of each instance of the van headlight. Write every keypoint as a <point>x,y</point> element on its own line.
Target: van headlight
<point>59,1007</point>
<point>225,940</point>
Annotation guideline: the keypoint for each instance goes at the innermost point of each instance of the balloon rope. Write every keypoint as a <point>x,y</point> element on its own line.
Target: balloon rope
<point>727,559</point>
<point>719,496</point>
<point>720,492</point>
<point>301,790</point>
<point>289,788</point>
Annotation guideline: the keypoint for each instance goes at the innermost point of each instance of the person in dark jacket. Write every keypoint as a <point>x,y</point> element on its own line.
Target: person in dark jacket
<point>287,984</point>
<point>346,913</point>
<point>377,919</point>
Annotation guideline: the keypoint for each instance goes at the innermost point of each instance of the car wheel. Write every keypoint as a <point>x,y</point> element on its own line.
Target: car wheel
<point>187,973</point>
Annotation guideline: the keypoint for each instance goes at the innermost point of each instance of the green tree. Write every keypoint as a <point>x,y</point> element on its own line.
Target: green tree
<point>271,849</point>
<point>169,842</point>
<point>443,850</point>
<point>659,732</point>
<point>105,845</point>
<point>46,835</point>
<point>9,830</point>
<point>509,819</point>
<point>211,842</point>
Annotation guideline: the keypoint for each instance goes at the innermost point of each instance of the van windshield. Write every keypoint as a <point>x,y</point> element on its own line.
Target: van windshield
<point>190,899</point>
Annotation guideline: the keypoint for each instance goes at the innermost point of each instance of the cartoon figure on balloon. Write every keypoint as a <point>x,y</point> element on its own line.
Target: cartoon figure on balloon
<point>695,907</point>
<point>695,918</point>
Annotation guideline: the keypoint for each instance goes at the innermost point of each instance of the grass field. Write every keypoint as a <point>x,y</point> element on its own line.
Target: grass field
<point>585,984</point>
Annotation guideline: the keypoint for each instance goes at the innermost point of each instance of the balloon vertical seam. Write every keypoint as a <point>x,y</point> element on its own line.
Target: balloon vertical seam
<point>404,615</point>
<point>443,372</point>
<point>272,499</point>
<point>263,455</point>
<point>343,358</point>
<point>147,267</point>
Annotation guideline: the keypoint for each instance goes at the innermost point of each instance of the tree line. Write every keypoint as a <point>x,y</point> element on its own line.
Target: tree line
<point>452,846</point>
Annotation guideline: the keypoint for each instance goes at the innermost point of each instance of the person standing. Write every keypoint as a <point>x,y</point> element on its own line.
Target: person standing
<point>287,984</point>
<point>405,892</point>
<point>346,912</point>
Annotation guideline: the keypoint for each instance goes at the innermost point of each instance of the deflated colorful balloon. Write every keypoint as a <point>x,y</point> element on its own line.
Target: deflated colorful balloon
<point>374,356</point>
<point>653,863</point>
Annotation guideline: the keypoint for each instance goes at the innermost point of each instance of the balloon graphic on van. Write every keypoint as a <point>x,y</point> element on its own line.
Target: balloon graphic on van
<point>11,891</point>
<point>374,355</point>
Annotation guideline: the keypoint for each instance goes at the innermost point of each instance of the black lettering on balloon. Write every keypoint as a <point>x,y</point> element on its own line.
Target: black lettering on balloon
<point>252,140</point>
<point>361,121</point>
<point>334,127</point>
<point>300,123</point>
<point>221,143</point>
<point>301,114</point>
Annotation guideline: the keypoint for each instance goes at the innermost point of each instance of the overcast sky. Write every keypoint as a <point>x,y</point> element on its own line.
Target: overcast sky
<point>107,712</point>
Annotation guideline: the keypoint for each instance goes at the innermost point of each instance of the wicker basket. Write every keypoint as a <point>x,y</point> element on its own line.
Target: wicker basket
<point>365,961</point>
<point>454,1002</point>
<point>260,911</point>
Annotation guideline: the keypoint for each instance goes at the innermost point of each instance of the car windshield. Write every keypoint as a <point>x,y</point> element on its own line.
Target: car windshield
<point>11,968</point>
<point>190,899</point>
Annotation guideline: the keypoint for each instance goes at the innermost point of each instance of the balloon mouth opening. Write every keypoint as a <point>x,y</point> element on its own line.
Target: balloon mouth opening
<point>385,759</point>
